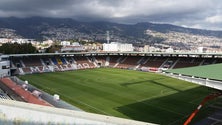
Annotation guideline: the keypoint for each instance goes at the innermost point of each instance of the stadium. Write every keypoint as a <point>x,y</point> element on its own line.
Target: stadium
<point>115,88</point>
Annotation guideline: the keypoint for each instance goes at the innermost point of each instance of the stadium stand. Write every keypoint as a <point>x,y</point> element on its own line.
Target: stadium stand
<point>83,62</point>
<point>49,63</point>
<point>63,60</point>
<point>54,60</point>
<point>155,62</point>
<point>3,95</point>
<point>218,60</point>
<point>27,64</point>
<point>169,63</point>
<point>129,62</point>
<point>26,95</point>
<point>208,61</point>
<point>100,60</point>
<point>33,61</point>
<point>16,62</point>
<point>27,70</point>
<point>215,118</point>
<point>113,60</point>
<point>184,62</point>
<point>45,60</point>
<point>69,62</point>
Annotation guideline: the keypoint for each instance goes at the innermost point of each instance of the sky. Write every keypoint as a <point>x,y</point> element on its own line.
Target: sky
<point>201,14</point>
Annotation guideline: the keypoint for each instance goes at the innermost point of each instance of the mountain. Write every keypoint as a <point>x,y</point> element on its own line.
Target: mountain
<point>64,28</point>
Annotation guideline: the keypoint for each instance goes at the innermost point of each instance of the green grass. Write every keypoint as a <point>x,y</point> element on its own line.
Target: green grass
<point>129,94</point>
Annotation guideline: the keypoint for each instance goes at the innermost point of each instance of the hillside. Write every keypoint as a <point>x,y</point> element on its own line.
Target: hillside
<point>63,28</point>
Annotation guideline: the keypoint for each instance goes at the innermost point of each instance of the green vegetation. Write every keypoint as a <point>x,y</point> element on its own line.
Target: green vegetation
<point>130,94</point>
<point>54,48</point>
<point>208,71</point>
<point>15,48</point>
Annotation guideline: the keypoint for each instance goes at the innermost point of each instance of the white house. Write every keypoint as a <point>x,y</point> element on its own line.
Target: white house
<point>65,43</point>
<point>114,46</point>
<point>75,47</point>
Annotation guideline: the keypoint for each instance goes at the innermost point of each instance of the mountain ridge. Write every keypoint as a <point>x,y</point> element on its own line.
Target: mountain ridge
<point>66,28</point>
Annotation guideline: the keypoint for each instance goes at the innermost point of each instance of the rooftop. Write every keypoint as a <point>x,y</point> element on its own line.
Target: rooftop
<point>208,71</point>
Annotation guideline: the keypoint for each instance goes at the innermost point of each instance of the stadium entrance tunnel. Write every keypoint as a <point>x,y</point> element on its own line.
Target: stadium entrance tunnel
<point>171,108</point>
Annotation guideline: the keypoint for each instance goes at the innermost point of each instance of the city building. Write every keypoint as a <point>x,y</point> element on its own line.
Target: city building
<point>75,47</point>
<point>114,46</point>
<point>65,43</point>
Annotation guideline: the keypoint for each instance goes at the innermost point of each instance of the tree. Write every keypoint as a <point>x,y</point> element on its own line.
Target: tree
<point>15,48</point>
<point>53,48</point>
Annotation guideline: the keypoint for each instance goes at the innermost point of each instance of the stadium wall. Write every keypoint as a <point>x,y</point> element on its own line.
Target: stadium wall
<point>13,112</point>
<point>4,66</point>
<point>200,81</point>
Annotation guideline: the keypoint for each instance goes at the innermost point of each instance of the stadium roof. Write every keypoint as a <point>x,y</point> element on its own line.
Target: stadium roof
<point>213,72</point>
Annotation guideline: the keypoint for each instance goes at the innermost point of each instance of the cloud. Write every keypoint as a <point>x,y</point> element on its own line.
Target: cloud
<point>214,19</point>
<point>181,12</point>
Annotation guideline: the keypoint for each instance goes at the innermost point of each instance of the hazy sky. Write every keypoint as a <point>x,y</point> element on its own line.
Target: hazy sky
<point>205,14</point>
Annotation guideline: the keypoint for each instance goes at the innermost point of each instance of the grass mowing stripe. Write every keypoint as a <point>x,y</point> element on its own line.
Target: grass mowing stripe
<point>130,94</point>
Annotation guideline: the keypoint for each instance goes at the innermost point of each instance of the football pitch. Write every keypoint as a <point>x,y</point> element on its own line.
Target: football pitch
<point>143,96</point>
